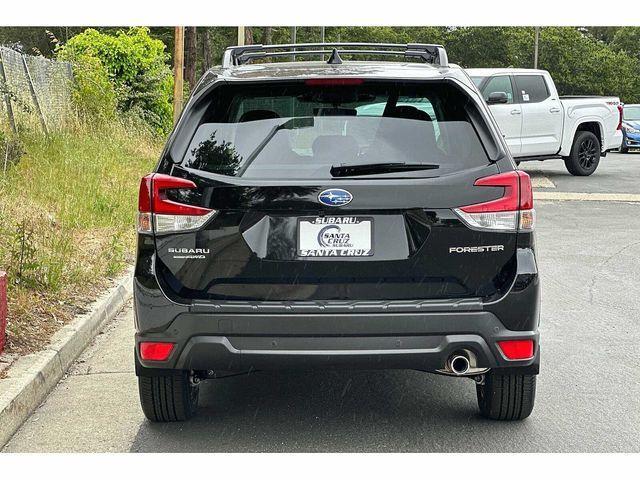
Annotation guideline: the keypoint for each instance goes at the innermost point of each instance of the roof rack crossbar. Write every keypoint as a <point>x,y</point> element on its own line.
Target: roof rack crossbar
<point>430,53</point>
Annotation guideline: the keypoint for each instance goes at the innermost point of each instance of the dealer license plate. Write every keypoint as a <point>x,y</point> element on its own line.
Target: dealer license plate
<point>335,237</point>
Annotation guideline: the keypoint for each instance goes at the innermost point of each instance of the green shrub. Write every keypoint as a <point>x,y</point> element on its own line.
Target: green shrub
<point>137,66</point>
<point>94,95</point>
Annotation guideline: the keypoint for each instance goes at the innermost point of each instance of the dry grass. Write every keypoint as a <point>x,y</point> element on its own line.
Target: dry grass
<point>67,214</point>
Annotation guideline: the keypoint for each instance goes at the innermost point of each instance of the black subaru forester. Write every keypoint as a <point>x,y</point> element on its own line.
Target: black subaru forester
<point>336,213</point>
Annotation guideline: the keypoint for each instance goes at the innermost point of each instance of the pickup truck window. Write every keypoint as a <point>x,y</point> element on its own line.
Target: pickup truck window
<point>532,88</point>
<point>500,83</point>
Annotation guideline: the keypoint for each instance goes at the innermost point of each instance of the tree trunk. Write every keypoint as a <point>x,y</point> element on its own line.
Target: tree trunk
<point>268,35</point>
<point>190,56</point>
<point>248,36</point>
<point>207,54</point>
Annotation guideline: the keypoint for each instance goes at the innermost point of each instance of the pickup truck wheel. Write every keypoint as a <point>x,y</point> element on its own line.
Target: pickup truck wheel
<point>506,397</point>
<point>168,398</point>
<point>585,154</point>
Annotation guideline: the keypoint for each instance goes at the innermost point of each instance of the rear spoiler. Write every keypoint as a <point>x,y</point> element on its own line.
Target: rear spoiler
<point>429,53</point>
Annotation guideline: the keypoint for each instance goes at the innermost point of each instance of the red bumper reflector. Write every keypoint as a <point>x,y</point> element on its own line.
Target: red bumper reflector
<point>517,349</point>
<point>156,351</point>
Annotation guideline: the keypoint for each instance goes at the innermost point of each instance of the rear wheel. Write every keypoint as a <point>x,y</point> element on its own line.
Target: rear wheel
<point>506,397</point>
<point>585,154</point>
<point>168,398</point>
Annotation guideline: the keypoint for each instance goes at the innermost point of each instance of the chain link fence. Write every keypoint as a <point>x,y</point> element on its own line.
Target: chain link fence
<point>34,91</point>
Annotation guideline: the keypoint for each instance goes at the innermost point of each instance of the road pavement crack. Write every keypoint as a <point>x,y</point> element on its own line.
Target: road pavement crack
<point>598,272</point>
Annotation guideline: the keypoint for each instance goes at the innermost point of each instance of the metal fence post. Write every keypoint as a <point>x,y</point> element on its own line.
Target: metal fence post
<point>7,97</point>
<point>36,103</point>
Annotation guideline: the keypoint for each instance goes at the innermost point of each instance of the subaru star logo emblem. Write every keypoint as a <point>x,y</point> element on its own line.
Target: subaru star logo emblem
<point>335,197</point>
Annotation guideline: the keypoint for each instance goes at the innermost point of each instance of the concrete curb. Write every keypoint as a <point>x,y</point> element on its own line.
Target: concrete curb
<point>32,377</point>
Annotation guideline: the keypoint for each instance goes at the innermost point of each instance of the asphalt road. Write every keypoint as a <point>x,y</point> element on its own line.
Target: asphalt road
<point>617,173</point>
<point>588,391</point>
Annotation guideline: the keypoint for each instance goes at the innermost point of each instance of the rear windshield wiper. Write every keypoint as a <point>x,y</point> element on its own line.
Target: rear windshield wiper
<point>377,168</point>
<point>291,124</point>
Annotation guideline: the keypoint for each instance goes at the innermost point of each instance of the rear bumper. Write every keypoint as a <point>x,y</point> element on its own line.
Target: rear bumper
<point>240,342</point>
<point>261,335</point>
<point>615,141</point>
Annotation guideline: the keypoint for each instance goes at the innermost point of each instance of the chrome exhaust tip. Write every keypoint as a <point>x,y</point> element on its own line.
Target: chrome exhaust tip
<point>458,364</point>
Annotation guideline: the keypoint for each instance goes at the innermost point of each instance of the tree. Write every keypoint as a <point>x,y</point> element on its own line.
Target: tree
<point>268,35</point>
<point>190,56</point>
<point>248,36</point>
<point>207,53</point>
<point>604,34</point>
<point>627,39</point>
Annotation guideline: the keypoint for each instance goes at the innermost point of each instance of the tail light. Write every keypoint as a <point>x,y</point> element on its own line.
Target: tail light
<point>621,113</point>
<point>516,349</point>
<point>156,351</point>
<point>512,212</point>
<point>156,213</point>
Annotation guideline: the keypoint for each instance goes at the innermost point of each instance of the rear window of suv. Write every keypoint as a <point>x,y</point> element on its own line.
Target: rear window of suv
<point>305,130</point>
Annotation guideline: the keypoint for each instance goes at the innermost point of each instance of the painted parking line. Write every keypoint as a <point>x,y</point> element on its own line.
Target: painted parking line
<point>588,197</point>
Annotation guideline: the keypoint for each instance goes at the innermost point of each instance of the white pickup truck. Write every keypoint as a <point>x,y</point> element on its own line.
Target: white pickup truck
<point>538,124</point>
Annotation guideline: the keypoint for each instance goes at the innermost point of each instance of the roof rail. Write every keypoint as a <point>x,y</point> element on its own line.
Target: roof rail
<point>430,53</point>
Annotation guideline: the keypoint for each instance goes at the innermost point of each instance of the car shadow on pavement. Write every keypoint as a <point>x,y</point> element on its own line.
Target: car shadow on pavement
<point>331,411</point>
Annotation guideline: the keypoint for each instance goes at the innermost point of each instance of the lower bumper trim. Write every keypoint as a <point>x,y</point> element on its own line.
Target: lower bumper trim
<point>429,353</point>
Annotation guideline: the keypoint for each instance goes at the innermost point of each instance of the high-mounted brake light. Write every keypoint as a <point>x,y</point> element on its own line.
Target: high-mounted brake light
<point>157,213</point>
<point>511,212</point>
<point>156,351</point>
<point>517,349</point>
<point>333,82</point>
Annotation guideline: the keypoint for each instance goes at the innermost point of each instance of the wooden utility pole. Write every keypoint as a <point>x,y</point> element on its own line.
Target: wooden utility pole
<point>178,74</point>
<point>240,35</point>
<point>294,39</point>
<point>535,47</point>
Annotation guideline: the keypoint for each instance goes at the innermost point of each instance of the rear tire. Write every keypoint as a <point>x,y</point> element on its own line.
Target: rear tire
<point>506,397</point>
<point>168,398</point>
<point>585,154</point>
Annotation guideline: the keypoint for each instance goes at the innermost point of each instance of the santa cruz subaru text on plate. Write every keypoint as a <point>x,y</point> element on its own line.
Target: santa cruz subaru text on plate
<point>340,213</point>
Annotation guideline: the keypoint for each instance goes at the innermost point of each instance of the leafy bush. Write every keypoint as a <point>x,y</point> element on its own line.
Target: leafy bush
<point>135,63</point>
<point>94,95</point>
